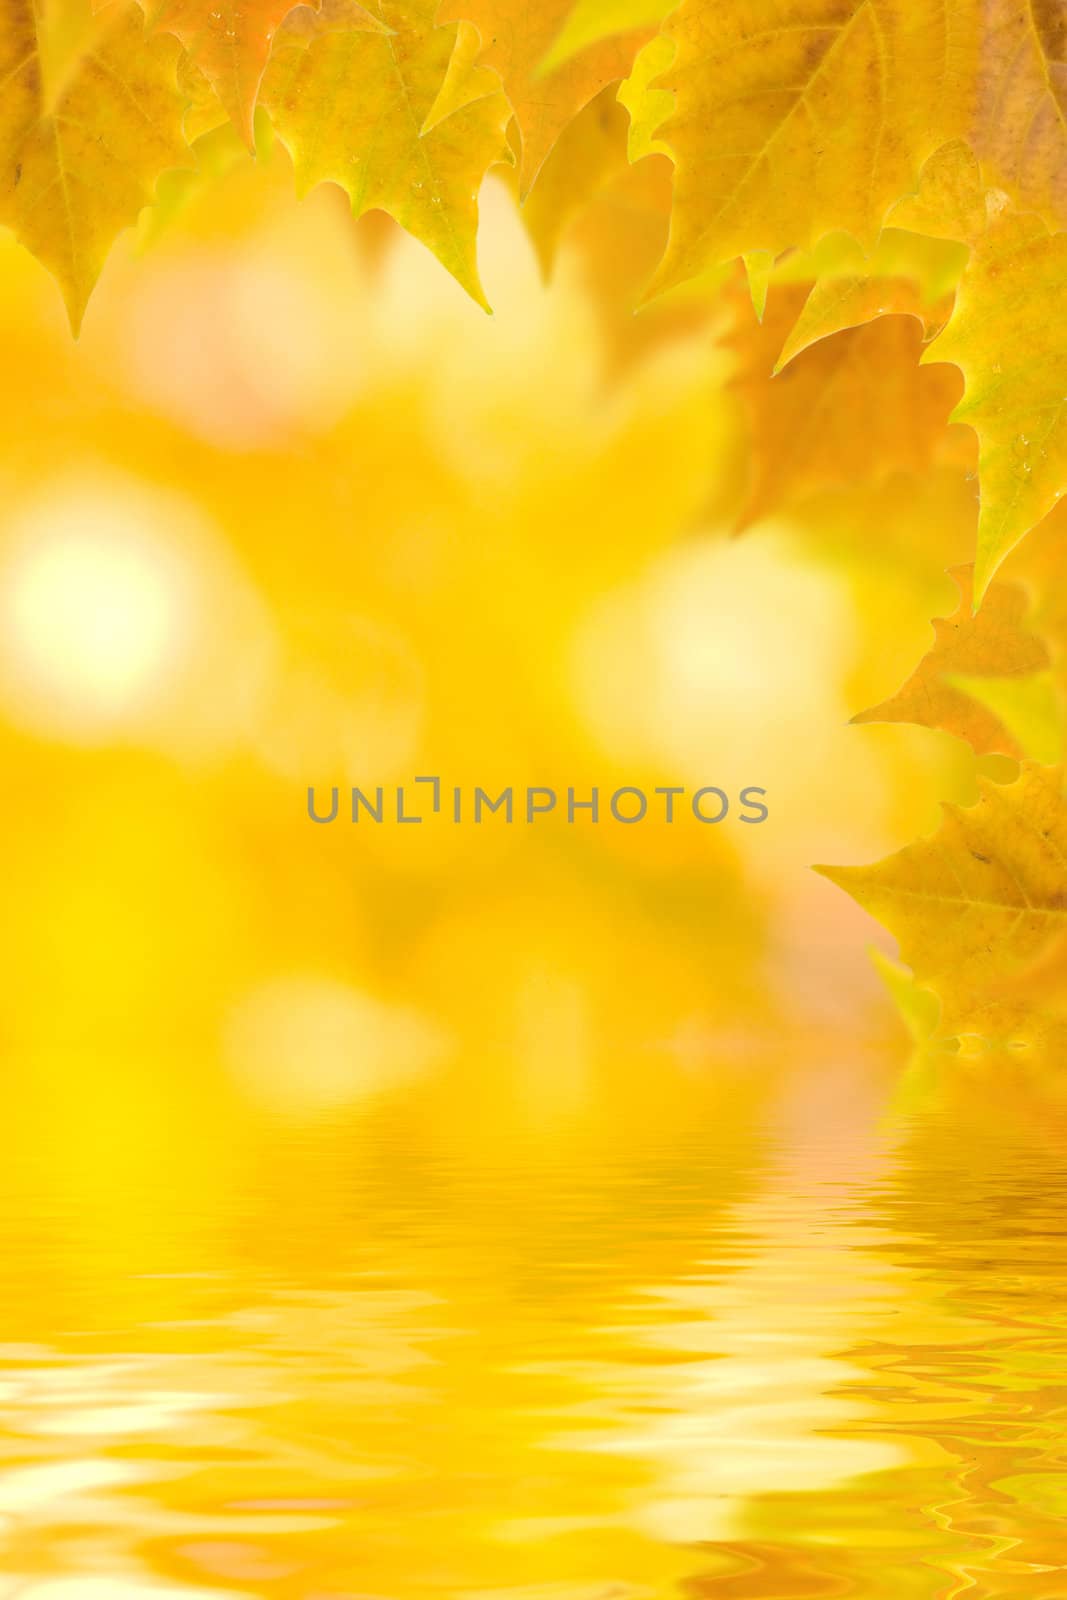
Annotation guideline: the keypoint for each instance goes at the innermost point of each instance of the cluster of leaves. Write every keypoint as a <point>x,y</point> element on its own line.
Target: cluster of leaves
<point>891,173</point>
<point>980,907</point>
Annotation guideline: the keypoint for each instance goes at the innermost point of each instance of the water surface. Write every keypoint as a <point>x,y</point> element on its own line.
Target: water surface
<point>809,1340</point>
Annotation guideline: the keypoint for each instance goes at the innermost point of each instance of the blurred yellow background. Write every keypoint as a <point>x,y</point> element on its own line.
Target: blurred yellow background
<point>474,1210</point>
<point>294,512</point>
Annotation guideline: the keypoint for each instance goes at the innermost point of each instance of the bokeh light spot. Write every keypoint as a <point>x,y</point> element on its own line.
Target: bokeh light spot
<point>94,609</point>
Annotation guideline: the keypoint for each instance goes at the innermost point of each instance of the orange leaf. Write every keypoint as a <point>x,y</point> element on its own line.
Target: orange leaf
<point>516,38</point>
<point>852,408</point>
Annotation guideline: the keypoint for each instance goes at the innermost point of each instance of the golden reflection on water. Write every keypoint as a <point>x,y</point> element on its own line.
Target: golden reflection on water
<point>761,1335</point>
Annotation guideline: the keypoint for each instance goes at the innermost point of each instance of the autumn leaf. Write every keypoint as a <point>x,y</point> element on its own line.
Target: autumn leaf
<point>759,270</point>
<point>465,80</point>
<point>854,407</point>
<point>593,20</point>
<point>799,119</point>
<point>993,643</point>
<point>1041,563</point>
<point>351,107</point>
<point>979,908</point>
<point>1013,356</point>
<point>998,335</point>
<point>905,275</point>
<point>1035,709</point>
<point>230,41</point>
<point>1025,1008</point>
<point>84,170</point>
<point>612,241</point>
<point>516,39</point>
<point>21,101</point>
<point>1020,123</point>
<point>647,105</point>
<point>589,153</point>
<point>1029,709</point>
<point>950,200</point>
<point>40,46</point>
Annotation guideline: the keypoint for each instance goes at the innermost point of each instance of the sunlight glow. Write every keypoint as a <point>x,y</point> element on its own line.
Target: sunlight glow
<point>93,608</point>
<point>719,645</point>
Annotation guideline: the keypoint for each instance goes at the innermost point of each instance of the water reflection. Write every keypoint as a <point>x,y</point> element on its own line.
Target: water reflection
<point>761,1339</point>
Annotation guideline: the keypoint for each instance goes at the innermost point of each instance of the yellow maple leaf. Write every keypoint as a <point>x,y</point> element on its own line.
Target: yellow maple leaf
<point>230,41</point>
<point>40,46</point>
<point>793,120</point>
<point>979,908</point>
<point>949,200</point>
<point>992,643</point>
<point>906,275</point>
<point>648,107</point>
<point>516,38</point>
<point>465,80</point>
<point>352,107</point>
<point>20,75</point>
<point>999,335</point>
<point>84,169</point>
<point>1020,123</point>
<point>1013,356</point>
<point>647,104</point>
